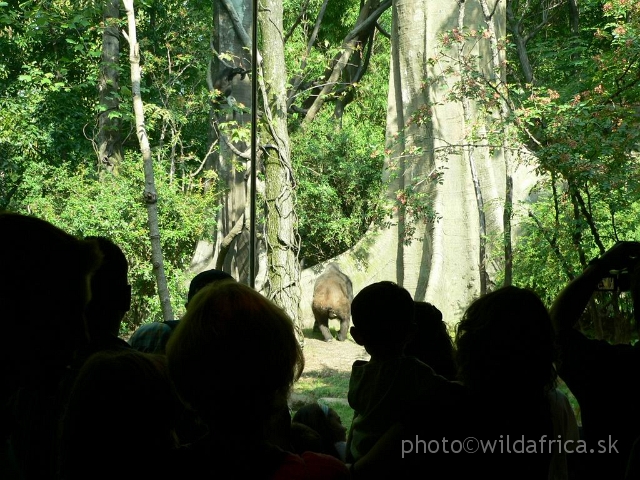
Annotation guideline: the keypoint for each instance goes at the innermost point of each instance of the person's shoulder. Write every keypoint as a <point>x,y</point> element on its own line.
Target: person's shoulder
<point>151,337</point>
<point>421,372</point>
<point>413,363</point>
<point>360,364</point>
<point>311,466</point>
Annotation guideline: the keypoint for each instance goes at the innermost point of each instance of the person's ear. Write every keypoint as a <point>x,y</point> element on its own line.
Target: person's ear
<point>355,334</point>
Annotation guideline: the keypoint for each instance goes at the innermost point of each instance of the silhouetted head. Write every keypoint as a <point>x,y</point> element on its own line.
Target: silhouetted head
<point>234,351</point>
<point>506,338</point>
<point>432,343</point>
<point>44,288</point>
<point>383,317</point>
<point>121,417</point>
<point>203,279</point>
<point>110,290</point>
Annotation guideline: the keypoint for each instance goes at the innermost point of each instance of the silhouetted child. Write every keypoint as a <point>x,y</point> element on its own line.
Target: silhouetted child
<point>432,343</point>
<point>391,388</point>
<point>326,422</point>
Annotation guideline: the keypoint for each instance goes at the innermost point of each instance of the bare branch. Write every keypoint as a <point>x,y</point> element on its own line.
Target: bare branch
<point>225,245</point>
<point>303,11</point>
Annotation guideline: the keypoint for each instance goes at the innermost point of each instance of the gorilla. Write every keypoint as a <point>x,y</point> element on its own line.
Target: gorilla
<point>332,296</point>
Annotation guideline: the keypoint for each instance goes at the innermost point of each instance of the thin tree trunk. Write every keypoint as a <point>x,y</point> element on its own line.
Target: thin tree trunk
<point>109,136</point>
<point>497,74</point>
<point>232,33</point>
<point>515,25</point>
<point>466,112</point>
<point>150,195</point>
<point>574,17</point>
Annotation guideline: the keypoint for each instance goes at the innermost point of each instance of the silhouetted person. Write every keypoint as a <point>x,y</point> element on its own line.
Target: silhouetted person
<point>431,342</point>
<point>603,377</point>
<point>153,337</point>
<point>44,288</point>
<point>505,349</point>
<point>110,299</point>
<point>121,418</point>
<point>393,389</point>
<point>236,351</point>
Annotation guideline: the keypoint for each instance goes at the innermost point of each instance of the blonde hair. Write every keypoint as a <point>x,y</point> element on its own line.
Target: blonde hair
<point>234,349</point>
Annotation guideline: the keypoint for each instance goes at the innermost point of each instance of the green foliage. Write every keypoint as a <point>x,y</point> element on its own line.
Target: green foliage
<point>74,200</point>
<point>339,185</point>
<point>48,124</point>
<point>579,119</point>
<point>546,270</point>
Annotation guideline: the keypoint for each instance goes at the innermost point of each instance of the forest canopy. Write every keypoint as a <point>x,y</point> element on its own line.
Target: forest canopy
<point>553,87</point>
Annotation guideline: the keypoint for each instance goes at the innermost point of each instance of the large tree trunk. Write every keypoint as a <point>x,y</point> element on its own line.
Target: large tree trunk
<point>435,257</point>
<point>283,277</point>
<point>109,148</point>
<point>232,27</point>
<point>150,195</point>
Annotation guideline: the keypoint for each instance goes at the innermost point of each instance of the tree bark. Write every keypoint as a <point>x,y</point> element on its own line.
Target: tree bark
<point>109,135</point>
<point>434,257</point>
<point>150,195</point>
<point>283,277</point>
<point>231,31</point>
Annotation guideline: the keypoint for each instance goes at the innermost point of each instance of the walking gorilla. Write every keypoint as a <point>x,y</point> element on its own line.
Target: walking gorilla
<point>332,295</point>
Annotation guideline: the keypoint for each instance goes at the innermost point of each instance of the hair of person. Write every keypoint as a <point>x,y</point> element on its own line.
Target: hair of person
<point>44,289</point>
<point>381,308</point>
<point>432,344</point>
<point>506,336</point>
<point>234,350</point>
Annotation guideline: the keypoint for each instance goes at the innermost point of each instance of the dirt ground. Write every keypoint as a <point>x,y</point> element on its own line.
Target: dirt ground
<point>320,355</point>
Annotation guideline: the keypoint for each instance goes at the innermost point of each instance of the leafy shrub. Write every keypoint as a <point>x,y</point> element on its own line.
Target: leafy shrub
<point>339,185</point>
<point>112,206</point>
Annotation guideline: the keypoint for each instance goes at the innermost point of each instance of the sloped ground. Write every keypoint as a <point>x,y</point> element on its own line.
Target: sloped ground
<point>339,356</point>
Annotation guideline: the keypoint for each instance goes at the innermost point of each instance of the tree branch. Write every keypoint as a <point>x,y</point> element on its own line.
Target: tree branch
<point>225,245</point>
<point>303,11</point>
<point>554,247</point>
<point>348,46</point>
